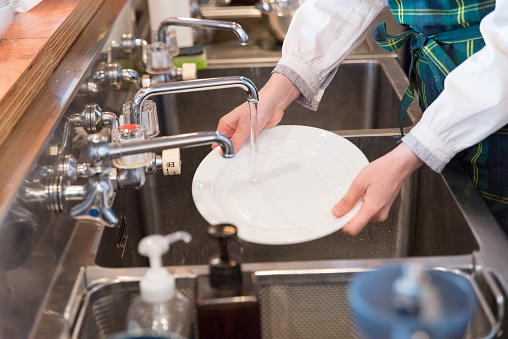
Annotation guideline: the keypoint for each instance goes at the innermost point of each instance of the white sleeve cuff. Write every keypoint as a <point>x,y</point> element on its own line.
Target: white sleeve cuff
<point>423,153</point>
<point>309,98</point>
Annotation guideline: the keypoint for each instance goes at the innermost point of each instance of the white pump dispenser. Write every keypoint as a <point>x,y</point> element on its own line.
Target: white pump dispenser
<point>158,285</point>
<point>161,308</point>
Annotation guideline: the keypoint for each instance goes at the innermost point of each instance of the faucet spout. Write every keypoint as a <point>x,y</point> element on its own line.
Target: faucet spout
<point>176,141</point>
<point>214,24</point>
<point>191,86</point>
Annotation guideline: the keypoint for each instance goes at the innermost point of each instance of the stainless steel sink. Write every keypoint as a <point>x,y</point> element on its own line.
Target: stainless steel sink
<point>364,95</point>
<point>363,99</point>
<point>57,266</point>
<point>424,221</point>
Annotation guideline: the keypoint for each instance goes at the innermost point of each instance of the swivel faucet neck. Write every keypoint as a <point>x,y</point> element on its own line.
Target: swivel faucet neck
<point>191,86</point>
<point>176,141</point>
<point>214,24</point>
<point>100,152</point>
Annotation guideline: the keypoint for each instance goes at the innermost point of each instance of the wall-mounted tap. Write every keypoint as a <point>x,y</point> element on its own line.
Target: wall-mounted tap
<point>159,55</point>
<point>155,58</point>
<point>135,116</point>
<point>96,196</point>
<point>71,171</point>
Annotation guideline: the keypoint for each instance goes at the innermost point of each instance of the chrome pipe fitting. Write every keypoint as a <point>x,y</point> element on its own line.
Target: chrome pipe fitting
<point>92,119</point>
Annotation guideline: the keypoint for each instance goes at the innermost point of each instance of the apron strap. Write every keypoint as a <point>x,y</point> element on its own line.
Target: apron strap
<point>438,60</point>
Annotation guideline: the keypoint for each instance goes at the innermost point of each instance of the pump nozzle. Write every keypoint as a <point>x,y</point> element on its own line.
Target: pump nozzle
<point>154,246</point>
<point>225,270</point>
<point>158,284</point>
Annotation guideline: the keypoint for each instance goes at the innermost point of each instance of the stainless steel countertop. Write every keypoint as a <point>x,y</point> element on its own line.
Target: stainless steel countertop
<point>61,268</point>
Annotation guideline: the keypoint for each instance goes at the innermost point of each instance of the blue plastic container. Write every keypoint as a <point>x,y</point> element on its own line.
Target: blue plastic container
<point>371,301</point>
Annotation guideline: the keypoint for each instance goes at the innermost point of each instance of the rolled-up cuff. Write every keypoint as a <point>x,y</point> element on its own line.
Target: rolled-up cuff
<point>307,98</point>
<point>423,153</point>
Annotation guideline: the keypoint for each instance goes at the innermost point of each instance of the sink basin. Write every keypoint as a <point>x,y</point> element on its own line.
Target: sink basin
<point>364,95</point>
<point>424,221</point>
<point>57,261</point>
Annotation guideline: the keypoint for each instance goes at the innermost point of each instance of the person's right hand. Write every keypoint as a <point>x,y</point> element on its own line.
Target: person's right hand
<point>274,98</point>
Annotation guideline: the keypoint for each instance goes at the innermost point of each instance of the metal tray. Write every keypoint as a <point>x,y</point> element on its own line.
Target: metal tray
<point>294,304</point>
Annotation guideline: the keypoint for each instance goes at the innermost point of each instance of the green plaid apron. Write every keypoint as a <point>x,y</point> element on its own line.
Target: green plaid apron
<point>442,34</point>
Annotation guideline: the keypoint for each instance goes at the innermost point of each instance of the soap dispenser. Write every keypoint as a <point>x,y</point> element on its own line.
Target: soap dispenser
<point>227,298</point>
<point>160,308</point>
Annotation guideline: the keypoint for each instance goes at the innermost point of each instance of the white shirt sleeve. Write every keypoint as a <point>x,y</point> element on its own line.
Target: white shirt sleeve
<point>474,103</point>
<point>322,33</point>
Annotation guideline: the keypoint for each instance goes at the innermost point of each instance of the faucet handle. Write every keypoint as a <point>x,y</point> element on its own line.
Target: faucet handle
<point>148,118</point>
<point>98,192</point>
<point>158,58</point>
<point>170,39</point>
<point>98,201</point>
<point>130,133</point>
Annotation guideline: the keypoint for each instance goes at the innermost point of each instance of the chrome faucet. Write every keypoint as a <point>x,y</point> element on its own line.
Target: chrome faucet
<point>97,195</point>
<point>159,55</point>
<point>157,58</point>
<point>189,86</point>
<point>202,23</point>
<point>100,151</point>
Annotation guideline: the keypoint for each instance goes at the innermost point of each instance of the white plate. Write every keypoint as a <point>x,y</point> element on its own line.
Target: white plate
<point>303,173</point>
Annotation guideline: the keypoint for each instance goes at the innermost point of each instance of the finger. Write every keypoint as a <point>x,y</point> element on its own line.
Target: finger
<point>359,221</point>
<point>227,125</point>
<point>348,201</point>
<point>239,137</point>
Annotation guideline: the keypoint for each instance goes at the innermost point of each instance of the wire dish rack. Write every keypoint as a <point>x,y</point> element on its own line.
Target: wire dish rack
<point>293,305</point>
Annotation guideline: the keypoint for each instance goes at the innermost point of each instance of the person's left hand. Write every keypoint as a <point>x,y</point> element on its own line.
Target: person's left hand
<point>378,184</point>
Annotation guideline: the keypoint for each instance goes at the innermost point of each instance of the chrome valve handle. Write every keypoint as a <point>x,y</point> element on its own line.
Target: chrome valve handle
<point>98,200</point>
<point>92,119</point>
<point>97,203</point>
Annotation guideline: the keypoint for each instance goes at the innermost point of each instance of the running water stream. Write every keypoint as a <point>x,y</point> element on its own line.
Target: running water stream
<point>253,114</point>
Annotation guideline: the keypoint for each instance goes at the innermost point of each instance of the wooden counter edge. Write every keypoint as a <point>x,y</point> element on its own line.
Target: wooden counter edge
<point>25,89</point>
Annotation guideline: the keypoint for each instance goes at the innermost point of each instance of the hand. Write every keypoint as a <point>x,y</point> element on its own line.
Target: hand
<point>274,98</point>
<point>378,184</point>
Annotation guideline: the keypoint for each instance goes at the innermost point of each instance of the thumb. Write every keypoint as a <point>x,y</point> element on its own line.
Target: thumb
<point>349,200</point>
